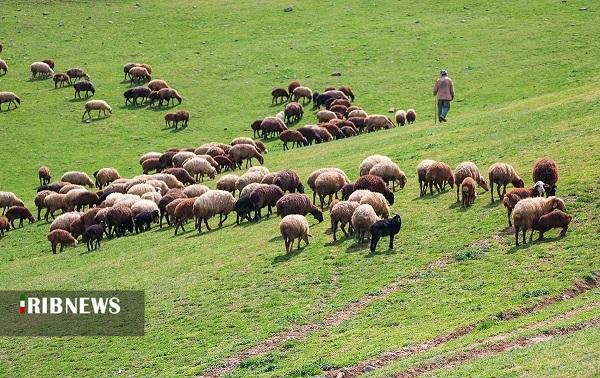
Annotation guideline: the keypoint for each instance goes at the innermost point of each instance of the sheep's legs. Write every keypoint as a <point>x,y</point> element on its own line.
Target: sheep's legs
<point>517,236</point>
<point>492,190</point>
<point>392,241</point>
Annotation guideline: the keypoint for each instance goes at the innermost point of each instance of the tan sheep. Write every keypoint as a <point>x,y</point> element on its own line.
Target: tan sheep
<point>63,221</point>
<point>327,184</point>
<point>62,238</point>
<point>377,122</point>
<point>241,152</point>
<point>468,169</point>
<point>99,105</point>
<point>294,227</point>
<point>105,176</point>
<point>341,214</point>
<point>302,92</point>
<point>529,210</point>
<point>157,84</point>
<point>421,174</point>
<point>181,157</point>
<point>139,74</point>
<point>359,113</point>
<point>362,219</point>
<point>3,66</point>
<point>77,178</point>
<point>370,161</point>
<point>378,203</point>
<point>502,174</point>
<point>227,183</point>
<point>325,116</point>
<point>139,189</point>
<point>9,97</point>
<point>198,166</point>
<point>195,190</point>
<point>389,171</point>
<point>9,199</point>
<point>439,174</point>
<point>152,196</point>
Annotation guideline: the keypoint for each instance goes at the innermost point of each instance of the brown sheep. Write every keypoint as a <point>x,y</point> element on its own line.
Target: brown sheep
<point>374,184</point>
<point>77,74</point>
<point>170,119</point>
<point>279,93</point>
<point>411,116</point>
<point>293,136</point>
<point>438,174</point>
<point>9,97</point>
<point>44,175</point>
<point>61,237</point>
<point>502,174</point>
<point>293,112</point>
<point>347,91</point>
<point>139,74</point>
<point>293,85</point>
<point>468,191</point>
<point>49,62</point>
<point>468,169</point>
<point>3,66</point>
<point>60,79</point>
<point>514,196</point>
<point>156,85</point>
<point>4,226</point>
<point>272,125</point>
<point>546,170</point>
<point>183,212</point>
<point>555,219</point>
<point>152,164</point>
<point>165,94</point>
<point>182,116</point>
<point>20,213</point>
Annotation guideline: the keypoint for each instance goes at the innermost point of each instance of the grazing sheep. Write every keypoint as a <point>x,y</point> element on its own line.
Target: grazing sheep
<point>170,119</point>
<point>166,159</point>
<point>347,91</point>
<point>182,175</point>
<point>288,181</point>
<point>385,227</point>
<point>149,155</point>
<point>514,196</point>
<point>362,219</point>
<point>264,196</point>
<point>42,69</point>
<point>152,196</point>
<point>77,178</point>
<point>439,174</point>
<point>341,214</point>
<point>400,117</point>
<point>165,94</point>
<point>243,140</point>
<point>44,175</point>
<point>422,173</point>
<point>142,206</point>
<point>127,67</point>
<point>390,171</point>
<point>93,235</point>
<point>225,163</point>
<point>227,183</point>
<point>3,66</point>
<point>99,105</point>
<point>152,164</point>
<point>215,151</point>
<point>501,174</point>
<point>200,167</point>
<point>169,200</point>
<point>468,169</point>
<point>411,116</point>
<point>248,189</point>
<point>268,179</point>
<point>210,204</point>
<point>144,220</point>
<point>349,131</point>
<point>105,176</point>
<point>11,98</point>
<point>293,136</point>
<point>39,201</point>
<point>294,227</point>
<point>61,237</point>
<point>347,191</point>
<point>315,174</point>
<point>67,188</point>
<point>377,122</point>
<point>4,226</point>
<point>272,125</point>
<point>168,179</point>
<point>554,219</point>
<point>377,202</point>
<point>131,95</point>
<point>545,170</point>
<point>84,86</point>
<point>324,134</point>
<point>181,157</point>
<point>336,94</point>
<point>77,74</point>
<point>370,161</point>
<point>467,189</point>
<point>529,210</point>
<point>89,217</point>
<point>70,197</point>
<point>358,122</point>
<point>260,146</point>
<point>139,74</point>
<point>139,189</point>
<point>20,213</point>
<point>358,113</point>
<point>241,152</point>
<point>297,203</point>
<point>302,92</point>
<point>293,85</point>
<point>60,79</point>
<point>49,62</point>
<point>325,115</point>
<point>293,112</point>
<point>77,228</point>
<point>327,184</point>
<point>157,84</point>
<point>332,129</point>
<point>118,220</point>
<point>374,184</point>
<point>321,99</point>
<point>8,199</point>
<point>53,202</point>
<point>195,190</point>
<point>82,199</point>
<point>310,135</point>
<point>357,195</point>
<point>279,93</point>
<point>182,116</point>
<point>255,126</point>
<point>64,221</point>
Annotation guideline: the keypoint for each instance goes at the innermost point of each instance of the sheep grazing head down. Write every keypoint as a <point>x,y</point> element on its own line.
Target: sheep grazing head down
<point>540,188</point>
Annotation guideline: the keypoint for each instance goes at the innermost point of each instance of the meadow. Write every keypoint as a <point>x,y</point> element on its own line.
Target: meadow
<point>527,86</point>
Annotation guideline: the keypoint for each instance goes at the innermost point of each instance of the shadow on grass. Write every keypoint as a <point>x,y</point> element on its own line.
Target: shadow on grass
<point>283,258</point>
<point>364,247</point>
<point>494,204</point>
<point>388,251</point>
<point>6,110</point>
<point>77,99</point>
<point>34,79</point>
<point>95,119</point>
<point>131,106</point>
<point>161,108</point>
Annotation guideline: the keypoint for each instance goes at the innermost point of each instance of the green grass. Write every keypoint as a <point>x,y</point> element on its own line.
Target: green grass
<point>527,86</point>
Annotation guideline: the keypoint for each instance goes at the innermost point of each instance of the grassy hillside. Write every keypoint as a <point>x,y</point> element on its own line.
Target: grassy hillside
<point>527,86</point>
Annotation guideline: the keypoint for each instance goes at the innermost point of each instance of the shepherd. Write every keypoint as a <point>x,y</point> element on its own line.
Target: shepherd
<point>444,92</point>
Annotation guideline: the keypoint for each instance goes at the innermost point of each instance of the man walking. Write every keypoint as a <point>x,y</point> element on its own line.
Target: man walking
<point>444,91</point>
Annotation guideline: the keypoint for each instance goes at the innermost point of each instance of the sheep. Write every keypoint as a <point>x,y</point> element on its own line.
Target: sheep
<point>149,155</point>
<point>60,79</point>
<point>272,125</point>
<point>39,201</point>
<point>77,74</point>
<point>8,199</point>
<point>105,176</point>
<point>44,175</point>
<point>315,174</point>
<point>467,188</point>
<point>49,62</point>
<point>215,151</point>
<point>358,122</point>
<point>93,236</point>
<point>514,196</point>
<point>84,86</point>
<point>67,188</point>
<point>82,199</point>
<point>89,217</point>
<point>182,116</point>
<point>357,113</point>
<point>411,116</point>
<point>181,157</point>
<point>362,219</point>
<point>71,195</point>
<point>529,210</point>
<point>241,152</point>
<point>297,203</point>
<point>248,189</point>
<point>294,227</point>
<point>347,190</point>
<point>165,94</point>
<point>374,184</point>
<point>545,170</point>
<point>165,202</point>
<point>302,92</point>
<point>200,167</point>
<point>144,220</point>
<point>400,117</point>
<point>260,146</point>
<point>268,178</point>
<point>293,136</point>
<point>168,179</point>
<point>328,184</point>
<point>332,129</point>
<point>99,105</point>
<point>157,85</point>
<point>127,67</point>
<point>554,219</point>
<point>347,91</point>
<point>501,174</point>
<point>341,214</point>
<point>181,174</point>
<point>152,164</point>
<point>377,122</point>
<point>131,95</point>
<point>77,178</point>
<point>293,85</point>
<point>321,99</point>
<point>206,146</point>
<point>357,195</point>
<point>225,163</point>
<point>166,159</point>
<point>377,202</point>
<point>288,181</point>
<point>439,174</point>
<point>142,206</point>
<point>55,186</point>
<point>3,66</point>
<point>390,171</point>
<point>421,174</point>
<point>325,115</point>
<point>139,189</point>
<point>11,98</point>
<point>349,131</point>
<point>63,221</point>
<point>341,109</point>
<point>468,169</point>
<point>160,186</point>
<point>152,196</point>
<point>324,134</point>
<point>227,183</point>
<point>210,204</point>
<point>279,93</point>
<point>77,228</point>
<point>61,237</point>
<point>4,226</point>
<point>53,202</point>
<point>255,126</point>
<point>385,227</point>
<point>310,135</point>
<point>370,161</point>
<point>341,101</point>
<point>20,213</point>
<point>138,74</point>
<point>42,69</point>
<point>118,220</point>
<point>195,190</point>
<point>264,195</point>
<point>243,140</point>
<point>293,112</point>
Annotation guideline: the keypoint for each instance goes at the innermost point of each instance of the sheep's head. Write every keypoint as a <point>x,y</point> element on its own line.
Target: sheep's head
<point>389,196</point>
<point>557,203</point>
<point>483,183</point>
<point>402,182</point>
<point>518,183</point>
<point>539,188</point>
<point>260,159</point>
<point>451,181</point>
<point>300,188</point>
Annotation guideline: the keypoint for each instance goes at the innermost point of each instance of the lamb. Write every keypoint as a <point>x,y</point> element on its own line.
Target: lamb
<point>8,199</point>
<point>44,175</point>
<point>501,174</point>
<point>20,213</point>
<point>411,116</point>
<point>93,236</point>
<point>255,126</point>
<point>468,169</point>
<point>377,202</point>
<point>84,86</point>
<point>99,105</point>
<point>3,66</point>
<point>139,74</point>
<point>157,85</point>
<point>439,174</point>
<point>511,198</point>
<point>4,226</point>
<point>545,170</point>
<point>315,174</point>
<point>200,167</point>
<point>272,125</point>
<point>42,69</point>
<point>77,74</point>
<point>293,112</point>
<point>362,219</point>
<point>529,210</point>
<point>53,202</point>
<point>144,206</point>
<point>554,219</point>
<point>279,93</point>
<point>9,97</point>
<point>64,221</point>
<point>60,79</point>
<point>182,116</point>
<point>325,115</point>
<point>370,161</point>
<point>302,92</point>
<point>347,91</point>
<point>288,181</point>
<point>293,85</point>
<point>227,183</point>
<point>401,117</point>
<point>358,113</point>
<point>297,203</point>
<point>165,94</point>
<point>118,220</point>
<point>61,237</point>
<point>210,204</point>
<point>468,191</point>
<point>374,184</point>
<point>341,214</point>
<point>294,227</point>
<point>383,228</point>
<point>328,184</point>
<point>241,152</point>
<point>377,122</point>
<point>293,136</point>
<point>422,173</point>
<point>105,176</point>
<point>310,134</point>
<point>390,171</point>
<point>39,201</point>
<point>144,220</point>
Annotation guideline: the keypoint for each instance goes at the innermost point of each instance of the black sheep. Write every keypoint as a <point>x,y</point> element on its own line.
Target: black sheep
<point>385,227</point>
<point>93,235</point>
<point>144,220</point>
<point>321,99</point>
<point>243,207</point>
<point>83,86</point>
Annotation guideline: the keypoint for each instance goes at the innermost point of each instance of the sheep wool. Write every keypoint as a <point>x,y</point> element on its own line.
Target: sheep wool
<point>294,227</point>
<point>363,217</point>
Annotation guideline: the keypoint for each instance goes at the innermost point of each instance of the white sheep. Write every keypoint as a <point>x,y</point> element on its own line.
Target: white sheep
<point>241,152</point>
<point>67,188</point>
<point>196,190</point>
<point>362,219</point>
<point>389,171</point>
<point>294,227</point>
<point>9,199</point>
<point>78,178</point>
<point>370,161</point>
<point>63,221</point>
<point>144,206</point>
<point>160,186</point>
<point>42,69</point>
<point>168,179</point>
<point>210,204</point>
<point>529,210</point>
<point>227,183</point>
<point>198,166</point>
<point>341,214</point>
<point>112,198</point>
<point>99,105</point>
